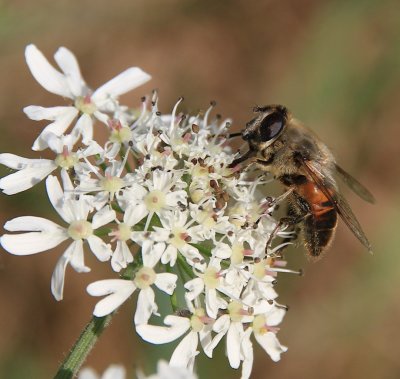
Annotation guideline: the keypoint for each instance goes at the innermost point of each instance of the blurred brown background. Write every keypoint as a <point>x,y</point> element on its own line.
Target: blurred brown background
<point>335,64</point>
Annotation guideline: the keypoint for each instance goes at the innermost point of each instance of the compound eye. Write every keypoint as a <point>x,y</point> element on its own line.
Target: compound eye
<point>271,126</point>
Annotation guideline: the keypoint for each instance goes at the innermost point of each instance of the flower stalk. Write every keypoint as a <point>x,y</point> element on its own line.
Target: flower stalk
<point>83,346</point>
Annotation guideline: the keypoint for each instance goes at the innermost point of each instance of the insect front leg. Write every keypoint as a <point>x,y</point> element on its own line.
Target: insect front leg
<point>303,210</point>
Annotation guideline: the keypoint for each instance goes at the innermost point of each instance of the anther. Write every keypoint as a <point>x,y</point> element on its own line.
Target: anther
<point>195,128</point>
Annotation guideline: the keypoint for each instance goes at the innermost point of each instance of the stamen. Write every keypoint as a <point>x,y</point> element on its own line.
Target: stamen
<point>123,163</point>
<point>173,115</point>
<point>205,119</point>
<point>142,114</point>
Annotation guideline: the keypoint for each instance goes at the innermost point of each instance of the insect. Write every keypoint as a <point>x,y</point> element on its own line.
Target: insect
<point>294,155</point>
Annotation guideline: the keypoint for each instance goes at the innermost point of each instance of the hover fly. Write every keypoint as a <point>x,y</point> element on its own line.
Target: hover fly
<point>294,155</point>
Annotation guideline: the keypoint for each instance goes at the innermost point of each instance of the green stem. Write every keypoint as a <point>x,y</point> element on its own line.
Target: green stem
<point>82,347</point>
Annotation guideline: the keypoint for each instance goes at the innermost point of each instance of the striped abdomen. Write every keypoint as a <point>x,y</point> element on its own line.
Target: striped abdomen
<point>320,225</point>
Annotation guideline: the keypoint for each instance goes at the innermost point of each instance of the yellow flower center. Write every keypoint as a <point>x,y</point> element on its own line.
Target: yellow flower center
<point>111,184</point>
<point>178,237</point>
<point>259,269</point>
<point>235,311</point>
<point>211,277</point>
<point>121,135</point>
<point>122,233</point>
<point>144,278</point>
<point>85,105</point>
<point>198,191</point>
<point>259,325</point>
<point>237,253</point>
<point>196,321</point>
<point>80,229</point>
<point>66,160</point>
<point>155,200</point>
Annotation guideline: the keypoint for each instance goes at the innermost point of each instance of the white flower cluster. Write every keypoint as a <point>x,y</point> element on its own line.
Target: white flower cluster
<point>160,202</point>
<point>164,371</point>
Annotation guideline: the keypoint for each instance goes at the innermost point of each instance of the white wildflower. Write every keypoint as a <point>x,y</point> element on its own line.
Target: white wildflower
<point>70,84</point>
<point>44,234</point>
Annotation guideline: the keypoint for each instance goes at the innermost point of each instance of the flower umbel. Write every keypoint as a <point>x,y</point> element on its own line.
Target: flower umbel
<point>158,200</point>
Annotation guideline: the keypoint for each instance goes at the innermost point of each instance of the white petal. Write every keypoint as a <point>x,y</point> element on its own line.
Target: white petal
<point>222,251</point>
<point>16,162</point>
<point>185,353</point>
<point>191,253</point>
<point>56,197</point>
<point>195,288</point>
<point>206,340</point>
<point>75,210</point>
<point>166,282</point>
<point>177,326</point>
<point>165,371</point>
<point>99,248</point>
<point>69,65</point>
<point>92,149</point>
<point>102,117</point>
<point>151,252</point>
<point>77,260</point>
<point>108,286</point>
<point>100,199</point>
<point>114,372</point>
<point>270,343</point>
<point>58,127</point>
<point>57,279</point>
<point>31,223</point>
<point>126,81</point>
<point>45,235</point>
<point>103,217</point>
<point>38,113</point>
<point>134,194</point>
<point>121,256</point>
<point>145,307</point>
<point>212,303</point>
<point>233,344</point>
<point>173,198</point>
<point>118,290</point>
<point>84,126</point>
<point>46,75</point>
<point>248,355</point>
<point>26,178</point>
<point>170,255</point>
<point>87,373</point>
<point>221,327</point>
<point>67,182</point>
<point>135,213</point>
<point>57,143</point>
<point>275,316</point>
<point>161,179</point>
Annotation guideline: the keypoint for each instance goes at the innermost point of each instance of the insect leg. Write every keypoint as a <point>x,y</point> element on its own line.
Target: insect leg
<point>241,159</point>
<point>293,218</point>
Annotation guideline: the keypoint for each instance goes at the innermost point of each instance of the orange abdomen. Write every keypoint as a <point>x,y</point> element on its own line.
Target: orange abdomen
<point>319,227</point>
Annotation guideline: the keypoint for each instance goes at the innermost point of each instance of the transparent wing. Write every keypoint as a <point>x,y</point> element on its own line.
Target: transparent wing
<point>340,204</point>
<point>355,185</point>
